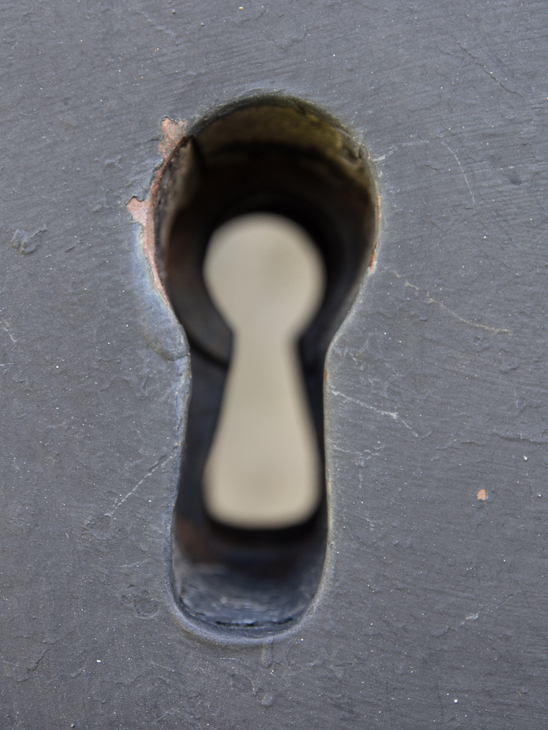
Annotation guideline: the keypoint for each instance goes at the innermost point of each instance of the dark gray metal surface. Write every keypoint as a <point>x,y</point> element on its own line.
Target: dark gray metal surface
<point>433,606</point>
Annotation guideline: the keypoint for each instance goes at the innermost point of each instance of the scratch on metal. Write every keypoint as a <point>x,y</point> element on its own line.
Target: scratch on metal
<point>431,300</point>
<point>121,500</point>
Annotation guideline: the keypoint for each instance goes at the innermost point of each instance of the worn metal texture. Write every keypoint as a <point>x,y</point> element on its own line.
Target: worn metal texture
<point>432,610</point>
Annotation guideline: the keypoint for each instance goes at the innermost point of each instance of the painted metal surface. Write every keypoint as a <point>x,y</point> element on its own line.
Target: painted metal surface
<point>432,606</point>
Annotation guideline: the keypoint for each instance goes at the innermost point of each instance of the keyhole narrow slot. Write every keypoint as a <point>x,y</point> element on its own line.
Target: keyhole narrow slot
<point>249,540</point>
<point>265,275</point>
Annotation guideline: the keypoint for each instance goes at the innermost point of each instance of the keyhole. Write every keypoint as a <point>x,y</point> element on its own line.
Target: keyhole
<point>265,275</point>
<point>265,227</point>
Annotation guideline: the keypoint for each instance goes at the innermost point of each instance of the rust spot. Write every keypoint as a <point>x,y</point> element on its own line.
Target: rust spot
<point>139,210</point>
<point>373,260</point>
<point>482,495</point>
<point>173,134</point>
<point>143,211</point>
<point>326,375</point>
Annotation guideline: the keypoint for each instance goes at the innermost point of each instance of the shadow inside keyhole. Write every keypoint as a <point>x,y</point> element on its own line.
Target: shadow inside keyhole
<point>276,158</point>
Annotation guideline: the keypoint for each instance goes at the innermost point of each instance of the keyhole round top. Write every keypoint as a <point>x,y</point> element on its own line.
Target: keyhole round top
<point>266,277</point>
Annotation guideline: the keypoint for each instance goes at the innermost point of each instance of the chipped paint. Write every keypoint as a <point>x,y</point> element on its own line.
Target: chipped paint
<point>143,211</point>
<point>373,262</point>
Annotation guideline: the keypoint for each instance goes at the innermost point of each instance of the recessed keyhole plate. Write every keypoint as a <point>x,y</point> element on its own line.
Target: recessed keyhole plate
<point>248,549</point>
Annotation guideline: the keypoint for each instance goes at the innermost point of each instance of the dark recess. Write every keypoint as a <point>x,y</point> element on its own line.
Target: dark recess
<point>266,156</point>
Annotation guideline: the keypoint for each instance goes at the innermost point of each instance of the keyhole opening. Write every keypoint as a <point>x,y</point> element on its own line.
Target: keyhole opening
<point>265,275</point>
<point>250,523</point>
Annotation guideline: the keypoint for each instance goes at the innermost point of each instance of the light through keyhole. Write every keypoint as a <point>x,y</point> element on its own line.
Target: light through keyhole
<point>266,277</point>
